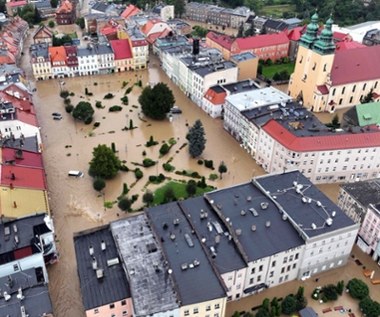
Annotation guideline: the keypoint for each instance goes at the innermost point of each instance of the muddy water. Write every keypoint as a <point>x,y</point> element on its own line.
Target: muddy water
<point>68,146</point>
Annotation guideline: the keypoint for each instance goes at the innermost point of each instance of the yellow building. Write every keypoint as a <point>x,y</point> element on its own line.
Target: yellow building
<point>325,79</point>
<point>247,64</point>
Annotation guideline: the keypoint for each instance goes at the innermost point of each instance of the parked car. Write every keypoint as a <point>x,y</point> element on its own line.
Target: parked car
<point>175,110</point>
<point>57,116</point>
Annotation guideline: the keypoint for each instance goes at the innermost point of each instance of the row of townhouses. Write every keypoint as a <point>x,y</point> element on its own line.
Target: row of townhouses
<point>190,258</point>
<point>27,242</point>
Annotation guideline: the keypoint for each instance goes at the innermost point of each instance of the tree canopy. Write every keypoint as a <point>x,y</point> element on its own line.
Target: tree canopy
<point>222,169</point>
<point>99,184</point>
<point>83,111</point>
<point>124,204</point>
<point>369,307</point>
<point>196,138</point>
<point>156,102</point>
<point>289,305</point>
<point>358,289</point>
<point>104,164</point>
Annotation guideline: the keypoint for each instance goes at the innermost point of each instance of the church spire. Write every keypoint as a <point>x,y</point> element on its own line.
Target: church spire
<point>325,43</point>
<point>310,36</point>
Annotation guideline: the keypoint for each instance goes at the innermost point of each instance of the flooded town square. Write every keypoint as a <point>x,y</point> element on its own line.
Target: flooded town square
<point>68,145</point>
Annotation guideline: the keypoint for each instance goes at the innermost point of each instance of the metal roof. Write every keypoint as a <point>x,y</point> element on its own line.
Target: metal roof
<point>312,211</point>
<point>193,274</point>
<point>102,277</point>
<point>365,193</point>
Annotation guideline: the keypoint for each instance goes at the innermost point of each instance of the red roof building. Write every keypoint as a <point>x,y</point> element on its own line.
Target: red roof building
<point>213,101</point>
<point>65,14</point>
<point>348,45</point>
<point>130,11</point>
<point>21,158</point>
<point>123,55</point>
<point>23,177</point>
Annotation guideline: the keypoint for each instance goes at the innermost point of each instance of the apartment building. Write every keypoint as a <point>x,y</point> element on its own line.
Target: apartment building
<point>40,60</point>
<point>284,135</point>
<point>326,79</point>
<point>355,198</point>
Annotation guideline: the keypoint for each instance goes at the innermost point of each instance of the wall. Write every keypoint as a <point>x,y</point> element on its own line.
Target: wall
<point>211,308</point>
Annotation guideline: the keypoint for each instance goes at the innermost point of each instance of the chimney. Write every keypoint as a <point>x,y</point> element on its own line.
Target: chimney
<point>195,47</point>
<point>91,250</point>
<point>103,245</point>
<point>94,264</point>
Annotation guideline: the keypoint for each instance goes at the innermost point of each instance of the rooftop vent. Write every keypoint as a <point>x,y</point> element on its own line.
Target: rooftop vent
<point>253,228</point>
<point>176,221</point>
<point>329,221</point>
<point>165,226</point>
<point>242,212</point>
<point>284,217</point>
<point>184,266</point>
<point>217,239</point>
<point>238,231</point>
<point>94,263</point>
<point>203,214</point>
<point>211,201</point>
<point>188,240</point>
<point>7,297</point>
<point>209,226</point>
<point>213,252</point>
<point>103,245</point>
<point>313,226</point>
<point>112,262</point>
<point>249,198</point>
<point>99,273</point>
<point>267,224</point>
<point>295,183</point>
<point>333,214</point>
<point>172,236</point>
<point>17,240</point>
<point>319,204</point>
<point>7,231</point>
<point>264,205</point>
<point>196,263</point>
<point>91,250</point>
<point>19,294</point>
<point>203,240</point>
<point>15,228</point>
<point>304,200</point>
<point>254,212</point>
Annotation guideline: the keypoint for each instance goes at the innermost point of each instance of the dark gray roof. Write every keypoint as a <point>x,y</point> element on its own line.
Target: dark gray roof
<point>217,88</point>
<point>45,4</point>
<point>100,6</point>
<point>228,258</point>
<point>276,24</point>
<point>113,286</point>
<point>243,57</point>
<point>193,274</point>
<point>245,206</point>
<point>6,70</point>
<point>26,230</point>
<point>39,50</point>
<point>209,69</point>
<point>36,301</point>
<point>365,193</point>
<point>152,287</point>
<point>308,312</point>
<point>27,143</point>
<point>103,49</point>
<point>240,86</point>
<point>311,210</point>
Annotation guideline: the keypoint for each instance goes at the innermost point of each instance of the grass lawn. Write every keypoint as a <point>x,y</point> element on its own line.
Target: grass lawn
<point>276,11</point>
<point>179,191</point>
<point>269,71</point>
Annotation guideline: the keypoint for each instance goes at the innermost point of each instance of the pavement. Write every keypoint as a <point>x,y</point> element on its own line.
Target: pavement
<point>349,271</point>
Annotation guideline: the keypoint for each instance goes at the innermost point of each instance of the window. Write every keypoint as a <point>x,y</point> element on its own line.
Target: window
<point>96,311</point>
<point>340,101</point>
<point>253,270</point>
<point>344,88</point>
<point>112,306</point>
<point>259,278</point>
<point>251,281</point>
<point>333,92</point>
<point>15,267</point>
<point>186,313</point>
<point>217,306</point>
<point>208,308</point>
<point>195,310</point>
<point>260,268</point>
<point>353,88</point>
<point>364,86</point>
<point>125,313</point>
<point>273,263</point>
<point>123,302</point>
<point>285,259</point>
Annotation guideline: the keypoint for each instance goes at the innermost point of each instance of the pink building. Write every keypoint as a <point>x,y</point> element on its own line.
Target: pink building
<point>104,286</point>
<point>369,233</point>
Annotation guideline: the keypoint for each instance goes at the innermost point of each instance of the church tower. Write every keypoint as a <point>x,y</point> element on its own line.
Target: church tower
<point>315,57</point>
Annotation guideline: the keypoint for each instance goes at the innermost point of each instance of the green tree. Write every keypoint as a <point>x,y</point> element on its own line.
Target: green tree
<point>357,289</point>
<point>191,188</point>
<point>301,299</point>
<point>369,307</point>
<point>179,8</point>
<point>240,30</point>
<point>104,164</point>
<point>288,305</point>
<point>251,30</point>
<point>330,292</point>
<point>340,287</point>
<point>51,24</point>
<point>125,204</point>
<point>148,198</point>
<point>196,138</point>
<point>82,111</point>
<point>99,184</point>
<point>156,102</point>
<point>169,195</point>
<point>54,3</point>
<point>80,22</point>
<point>59,41</point>
<point>3,7</point>
<point>262,312</point>
<point>222,169</point>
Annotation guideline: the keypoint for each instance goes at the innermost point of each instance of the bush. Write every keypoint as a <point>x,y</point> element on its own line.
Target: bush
<point>67,101</point>
<point>124,168</point>
<point>125,100</point>
<point>288,305</point>
<point>209,164</point>
<point>99,184</point>
<point>213,177</point>
<point>115,108</point>
<point>152,178</point>
<point>168,167</point>
<point>108,96</point>
<point>202,183</point>
<point>148,162</point>
<point>330,292</point>
<point>138,173</point>
<point>369,307</point>
<point>96,124</point>
<point>358,289</point>
<point>161,177</point>
<point>200,162</point>
<point>340,287</point>
<point>139,83</point>
<point>148,197</point>
<point>69,108</point>
<point>51,24</point>
<point>129,89</point>
<point>134,198</point>
<point>64,94</point>
<point>151,142</point>
<point>99,105</point>
<point>87,120</point>
<point>124,204</point>
<point>164,149</point>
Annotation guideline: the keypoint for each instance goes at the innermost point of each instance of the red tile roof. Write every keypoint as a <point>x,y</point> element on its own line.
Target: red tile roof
<point>323,89</point>
<point>216,98</point>
<point>296,33</point>
<point>65,7</point>
<point>24,177</point>
<point>339,36</point>
<point>348,45</point>
<point>28,159</point>
<point>17,3</point>
<point>223,40</point>
<point>121,49</point>
<point>138,43</point>
<point>27,117</point>
<point>356,65</point>
<point>57,54</point>
<point>264,40</point>
<point>24,105</point>
<point>131,10</point>
<point>323,142</point>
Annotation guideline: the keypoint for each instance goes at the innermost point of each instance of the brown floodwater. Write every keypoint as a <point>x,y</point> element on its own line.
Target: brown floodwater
<point>68,146</point>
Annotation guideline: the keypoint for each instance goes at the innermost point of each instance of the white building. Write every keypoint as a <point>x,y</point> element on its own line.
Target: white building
<point>87,61</point>
<point>105,57</point>
<point>357,31</point>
